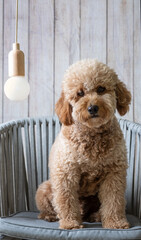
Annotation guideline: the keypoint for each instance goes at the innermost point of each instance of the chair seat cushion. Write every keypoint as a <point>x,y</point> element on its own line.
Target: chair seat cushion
<point>26,225</point>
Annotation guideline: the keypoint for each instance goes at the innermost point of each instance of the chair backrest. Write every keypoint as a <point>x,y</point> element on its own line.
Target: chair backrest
<point>132,135</point>
<point>24,151</point>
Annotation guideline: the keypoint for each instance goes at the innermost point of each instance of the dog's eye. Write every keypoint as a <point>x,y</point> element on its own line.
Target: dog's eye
<point>80,93</point>
<point>101,89</point>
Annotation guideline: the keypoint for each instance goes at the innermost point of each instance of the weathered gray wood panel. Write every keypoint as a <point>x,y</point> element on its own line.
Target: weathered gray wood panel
<point>137,62</point>
<point>67,22</point>
<point>120,42</point>
<point>12,110</point>
<point>41,54</point>
<point>93,29</point>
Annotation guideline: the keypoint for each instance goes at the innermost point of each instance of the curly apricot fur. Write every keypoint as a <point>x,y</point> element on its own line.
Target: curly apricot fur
<point>88,159</point>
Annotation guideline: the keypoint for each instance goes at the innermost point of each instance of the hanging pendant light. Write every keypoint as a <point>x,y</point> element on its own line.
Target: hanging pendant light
<point>16,87</point>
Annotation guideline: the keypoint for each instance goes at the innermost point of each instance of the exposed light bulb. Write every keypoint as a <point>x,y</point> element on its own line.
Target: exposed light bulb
<point>17,88</point>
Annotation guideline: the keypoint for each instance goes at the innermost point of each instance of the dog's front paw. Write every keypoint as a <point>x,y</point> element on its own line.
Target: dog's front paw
<point>70,224</point>
<point>116,224</point>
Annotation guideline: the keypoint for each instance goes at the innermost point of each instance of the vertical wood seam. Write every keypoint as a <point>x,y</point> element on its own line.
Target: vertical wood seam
<point>106,31</point>
<point>140,14</point>
<point>28,107</point>
<point>79,29</point>
<point>54,59</point>
<point>133,68</point>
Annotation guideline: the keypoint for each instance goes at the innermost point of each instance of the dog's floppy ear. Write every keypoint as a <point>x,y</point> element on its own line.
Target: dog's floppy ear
<point>64,110</point>
<point>123,98</point>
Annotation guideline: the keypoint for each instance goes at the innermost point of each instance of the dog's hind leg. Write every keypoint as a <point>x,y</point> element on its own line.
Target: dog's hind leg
<point>94,217</point>
<point>44,202</point>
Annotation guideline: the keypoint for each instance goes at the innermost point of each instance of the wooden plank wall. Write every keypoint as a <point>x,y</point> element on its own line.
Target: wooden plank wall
<point>56,33</point>
<point>12,110</point>
<point>67,38</point>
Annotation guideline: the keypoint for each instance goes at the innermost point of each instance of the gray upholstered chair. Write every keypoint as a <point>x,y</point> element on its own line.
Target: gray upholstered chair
<point>24,150</point>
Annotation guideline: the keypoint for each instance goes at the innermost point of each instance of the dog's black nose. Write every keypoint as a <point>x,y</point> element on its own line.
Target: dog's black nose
<point>93,109</point>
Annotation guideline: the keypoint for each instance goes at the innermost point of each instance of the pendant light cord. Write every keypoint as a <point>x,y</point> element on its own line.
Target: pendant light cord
<point>16,30</point>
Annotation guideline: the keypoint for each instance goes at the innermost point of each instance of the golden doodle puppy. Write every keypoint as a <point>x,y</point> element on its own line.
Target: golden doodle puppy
<point>88,159</point>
